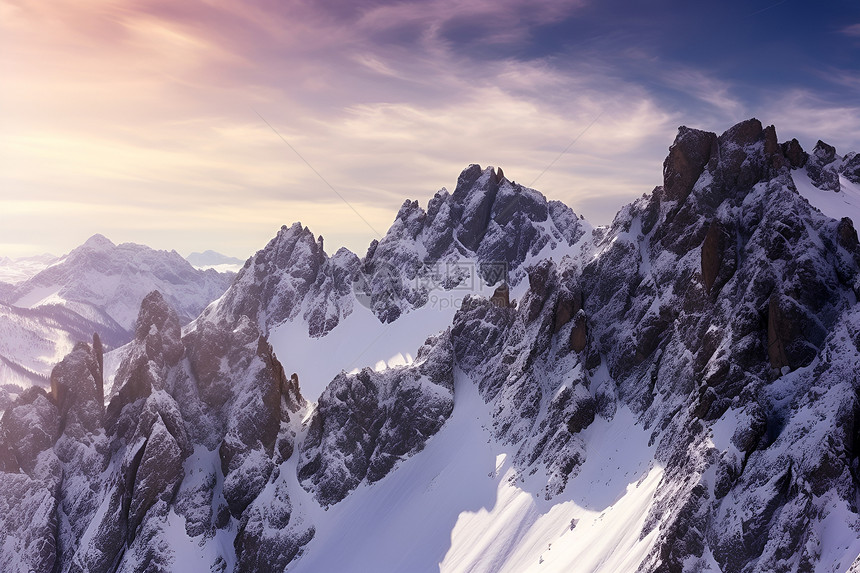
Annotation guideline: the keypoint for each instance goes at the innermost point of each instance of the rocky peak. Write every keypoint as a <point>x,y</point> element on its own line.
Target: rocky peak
<point>158,327</point>
<point>822,167</point>
<point>488,220</point>
<point>77,387</point>
<point>687,158</point>
<point>824,153</point>
<point>749,154</point>
<point>716,320</point>
<point>851,167</point>
<point>156,315</point>
<point>795,154</point>
<point>272,286</point>
<point>98,242</point>
<point>157,348</point>
<point>476,204</point>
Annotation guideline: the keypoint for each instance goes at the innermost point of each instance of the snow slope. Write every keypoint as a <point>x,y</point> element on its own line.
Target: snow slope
<point>361,340</point>
<point>457,507</point>
<point>845,203</point>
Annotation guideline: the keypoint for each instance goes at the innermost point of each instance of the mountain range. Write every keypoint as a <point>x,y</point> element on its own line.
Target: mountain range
<point>495,385</point>
<point>97,287</point>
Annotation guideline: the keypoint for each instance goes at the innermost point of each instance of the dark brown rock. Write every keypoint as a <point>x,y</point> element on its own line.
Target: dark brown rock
<point>793,334</point>
<point>579,333</point>
<point>772,149</point>
<point>778,330</point>
<point>846,234</point>
<point>687,158</point>
<point>582,416</point>
<point>712,254</point>
<point>736,171</point>
<point>501,296</point>
<point>566,308</point>
<point>795,154</point>
<point>744,133</point>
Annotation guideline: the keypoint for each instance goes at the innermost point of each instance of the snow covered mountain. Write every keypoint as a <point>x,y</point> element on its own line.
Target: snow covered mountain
<point>106,282</point>
<point>97,287</point>
<point>33,341</point>
<point>495,386</point>
<point>14,271</point>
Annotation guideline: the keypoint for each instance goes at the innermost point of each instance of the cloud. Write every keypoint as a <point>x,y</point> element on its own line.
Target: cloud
<point>852,30</point>
<point>148,111</point>
<point>808,117</point>
<point>708,89</point>
<point>151,108</point>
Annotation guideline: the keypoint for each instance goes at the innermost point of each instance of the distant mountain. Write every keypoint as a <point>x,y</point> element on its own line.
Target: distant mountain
<point>676,392</point>
<point>33,341</point>
<point>103,281</point>
<point>14,271</point>
<point>97,287</point>
<point>214,260</point>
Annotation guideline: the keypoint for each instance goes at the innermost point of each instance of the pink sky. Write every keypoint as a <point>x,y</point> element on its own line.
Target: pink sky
<point>139,120</point>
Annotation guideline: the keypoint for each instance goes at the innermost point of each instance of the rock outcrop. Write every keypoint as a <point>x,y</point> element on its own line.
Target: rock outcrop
<point>822,167</point>
<point>365,422</point>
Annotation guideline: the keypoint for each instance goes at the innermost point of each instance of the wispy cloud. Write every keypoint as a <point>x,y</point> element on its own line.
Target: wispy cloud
<point>852,30</point>
<point>808,117</point>
<point>151,107</point>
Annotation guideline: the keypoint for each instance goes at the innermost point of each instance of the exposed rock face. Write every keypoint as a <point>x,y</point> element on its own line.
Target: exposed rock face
<point>847,235</point>
<point>713,253</point>
<point>501,296</point>
<point>157,348</point>
<point>822,167</point>
<point>687,159</point>
<point>28,520</point>
<point>522,361</point>
<point>851,167</point>
<point>795,154</point>
<point>77,387</point>
<point>774,306</point>
<point>579,333</point>
<point>293,268</point>
<point>488,220</point>
<point>365,422</point>
<point>29,428</point>
<point>133,461</point>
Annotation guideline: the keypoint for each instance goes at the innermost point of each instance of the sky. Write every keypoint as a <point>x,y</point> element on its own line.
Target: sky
<point>208,124</point>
